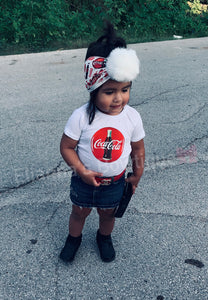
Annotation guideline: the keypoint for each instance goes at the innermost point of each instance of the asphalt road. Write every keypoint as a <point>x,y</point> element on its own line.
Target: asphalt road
<point>161,242</point>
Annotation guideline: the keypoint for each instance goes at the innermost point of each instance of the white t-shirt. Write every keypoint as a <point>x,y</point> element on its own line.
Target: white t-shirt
<point>105,145</point>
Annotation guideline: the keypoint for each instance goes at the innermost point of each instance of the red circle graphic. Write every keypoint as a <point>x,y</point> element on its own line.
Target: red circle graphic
<point>107,144</point>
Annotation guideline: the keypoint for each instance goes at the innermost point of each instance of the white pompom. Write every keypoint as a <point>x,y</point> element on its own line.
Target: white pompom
<point>122,64</point>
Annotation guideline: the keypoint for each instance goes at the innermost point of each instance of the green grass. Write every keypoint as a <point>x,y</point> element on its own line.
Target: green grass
<point>9,49</point>
<point>30,26</point>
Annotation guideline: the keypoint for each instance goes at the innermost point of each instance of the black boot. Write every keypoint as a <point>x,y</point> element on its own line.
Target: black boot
<point>107,252</point>
<point>70,248</point>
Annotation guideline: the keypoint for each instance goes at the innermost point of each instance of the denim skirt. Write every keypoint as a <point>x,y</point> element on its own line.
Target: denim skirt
<point>104,196</point>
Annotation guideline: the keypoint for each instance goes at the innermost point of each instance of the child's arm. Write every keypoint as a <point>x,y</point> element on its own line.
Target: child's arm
<point>67,149</point>
<point>138,158</point>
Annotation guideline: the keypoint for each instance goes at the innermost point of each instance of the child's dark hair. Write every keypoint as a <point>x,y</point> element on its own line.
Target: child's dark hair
<point>102,47</point>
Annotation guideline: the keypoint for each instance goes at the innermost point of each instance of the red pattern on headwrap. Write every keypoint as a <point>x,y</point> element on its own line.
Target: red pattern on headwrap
<point>95,72</point>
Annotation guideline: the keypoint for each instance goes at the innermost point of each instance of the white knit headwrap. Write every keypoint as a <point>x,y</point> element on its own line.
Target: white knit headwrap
<point>121,65</point>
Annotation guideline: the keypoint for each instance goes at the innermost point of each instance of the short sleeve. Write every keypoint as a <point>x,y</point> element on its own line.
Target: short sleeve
<point>74,124</point>
<point>138,132</point>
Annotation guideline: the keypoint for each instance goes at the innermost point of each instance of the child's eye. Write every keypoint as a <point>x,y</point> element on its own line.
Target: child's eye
<point>109,93</point>
<point>125,90</point>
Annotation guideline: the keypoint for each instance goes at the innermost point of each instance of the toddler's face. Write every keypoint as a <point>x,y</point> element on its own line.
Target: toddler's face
<point>113,96</point>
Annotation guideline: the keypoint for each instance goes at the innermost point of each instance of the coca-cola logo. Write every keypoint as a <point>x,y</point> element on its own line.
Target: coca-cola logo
<point>114,144</point>
<point>99,63</point>
<point>107,144</point>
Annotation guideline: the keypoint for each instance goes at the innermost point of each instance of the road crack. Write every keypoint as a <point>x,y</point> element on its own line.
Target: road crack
<point>190,117</point>
<point>146,101</point>
<point>36,178</point>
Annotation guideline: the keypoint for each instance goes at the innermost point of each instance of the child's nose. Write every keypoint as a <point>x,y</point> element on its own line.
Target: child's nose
<point>118,97</point>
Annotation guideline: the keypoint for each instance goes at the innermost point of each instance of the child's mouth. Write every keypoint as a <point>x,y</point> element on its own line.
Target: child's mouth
<point>116,106</point>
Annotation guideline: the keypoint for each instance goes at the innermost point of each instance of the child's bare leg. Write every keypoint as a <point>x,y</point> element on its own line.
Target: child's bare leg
<point>106,224</point>
<point>77,219</point>
<point>106,221</point>
<point>73,241</point>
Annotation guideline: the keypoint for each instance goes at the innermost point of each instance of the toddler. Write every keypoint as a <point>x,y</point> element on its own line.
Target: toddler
<point>98,139</point>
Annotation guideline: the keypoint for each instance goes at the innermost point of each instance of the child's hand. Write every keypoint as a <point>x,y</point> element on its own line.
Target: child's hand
<point>89,177</point>
<point>134,181</point>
